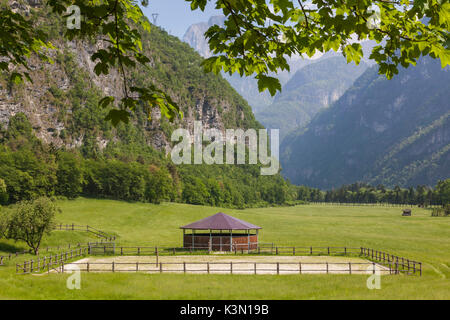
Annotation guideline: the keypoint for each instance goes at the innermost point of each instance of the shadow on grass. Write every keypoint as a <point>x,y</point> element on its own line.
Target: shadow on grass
<point>7,247</point>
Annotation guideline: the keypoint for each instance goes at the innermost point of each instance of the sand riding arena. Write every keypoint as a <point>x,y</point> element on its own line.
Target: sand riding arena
<point>215,264</point>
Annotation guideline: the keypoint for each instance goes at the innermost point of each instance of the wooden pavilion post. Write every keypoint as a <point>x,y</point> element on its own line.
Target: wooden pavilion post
<point>184,239</point>
<point>231,239</point>
<point>192,236</point>
<point>210,241</point>
<point>248,239</point>
<point>257,238</point>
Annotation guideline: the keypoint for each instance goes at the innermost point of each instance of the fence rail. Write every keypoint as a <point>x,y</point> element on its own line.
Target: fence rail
<point>231,267</point>
<point>51,262</point>
<point>394,264</point>
<point>398,264</point>
<point>260,249</point>
<point>87,228</point>
<point>379,204</point>
<point>105,238</point>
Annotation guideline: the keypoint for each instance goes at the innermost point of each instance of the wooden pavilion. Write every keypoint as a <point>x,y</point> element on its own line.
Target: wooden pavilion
<point>220,232</point>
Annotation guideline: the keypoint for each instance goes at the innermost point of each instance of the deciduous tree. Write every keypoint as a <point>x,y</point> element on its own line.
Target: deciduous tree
<point>29,221</point>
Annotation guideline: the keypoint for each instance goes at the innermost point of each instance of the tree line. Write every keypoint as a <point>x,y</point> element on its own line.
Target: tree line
<point>364,193</point>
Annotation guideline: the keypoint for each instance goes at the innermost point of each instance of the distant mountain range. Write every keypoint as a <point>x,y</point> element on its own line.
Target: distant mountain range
<point>391,132</point>
<point>311,89</point>
<point>340,123</point>
<point>263,104</point>
<point>247,87</point>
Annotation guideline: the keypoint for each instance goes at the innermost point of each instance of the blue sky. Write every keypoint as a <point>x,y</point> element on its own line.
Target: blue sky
<point>175,16</point>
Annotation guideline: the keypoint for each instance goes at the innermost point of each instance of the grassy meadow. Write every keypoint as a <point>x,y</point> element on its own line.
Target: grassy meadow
<point>420,237</point>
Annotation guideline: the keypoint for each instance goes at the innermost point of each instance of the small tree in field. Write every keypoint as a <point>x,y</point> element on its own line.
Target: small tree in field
<point>29,221</point>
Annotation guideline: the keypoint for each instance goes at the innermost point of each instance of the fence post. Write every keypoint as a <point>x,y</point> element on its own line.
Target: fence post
<point>137,266</point>
<point>350,268</point>
<point>62,266</point>
<point>328,250</point>
<point>231,267</point>
<point>112,265</point>
<point>207,265</point>
<point>327,267</point>
<point>420,265</point>
<point>255,267</point>
<point>184,267</point>
<point>160,267</point>
<point>373,263</point>
<point>278,268</point>
<point>398,270</point>
<point>310,250</point>
<point>300,267</point>
<point>87,266</point>
<point>276,250</point>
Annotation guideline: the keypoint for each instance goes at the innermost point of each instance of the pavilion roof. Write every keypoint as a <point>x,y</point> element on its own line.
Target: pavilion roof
<point>220,221</point>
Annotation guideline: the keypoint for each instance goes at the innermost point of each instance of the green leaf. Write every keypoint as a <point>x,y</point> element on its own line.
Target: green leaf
<point>270,83</point>
<point>116,116</point>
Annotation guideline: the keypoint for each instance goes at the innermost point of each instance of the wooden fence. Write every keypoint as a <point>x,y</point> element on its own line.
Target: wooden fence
<point>105,238</point>
<point>394,264</point>
<point>46,250</point>
<point>231,267</point>
<point>50,262</point>
<point>266,249</point>
<point>87,228</point>
<point>378,204</point>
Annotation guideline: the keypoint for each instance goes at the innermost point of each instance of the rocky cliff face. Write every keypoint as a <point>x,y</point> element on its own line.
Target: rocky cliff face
<point>61,101</point>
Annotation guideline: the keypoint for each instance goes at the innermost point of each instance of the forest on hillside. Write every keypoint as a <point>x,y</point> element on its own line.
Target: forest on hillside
<point>30,168</point>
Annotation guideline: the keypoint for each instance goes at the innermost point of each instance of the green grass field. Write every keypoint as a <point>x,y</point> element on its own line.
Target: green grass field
<point>420,237</point>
